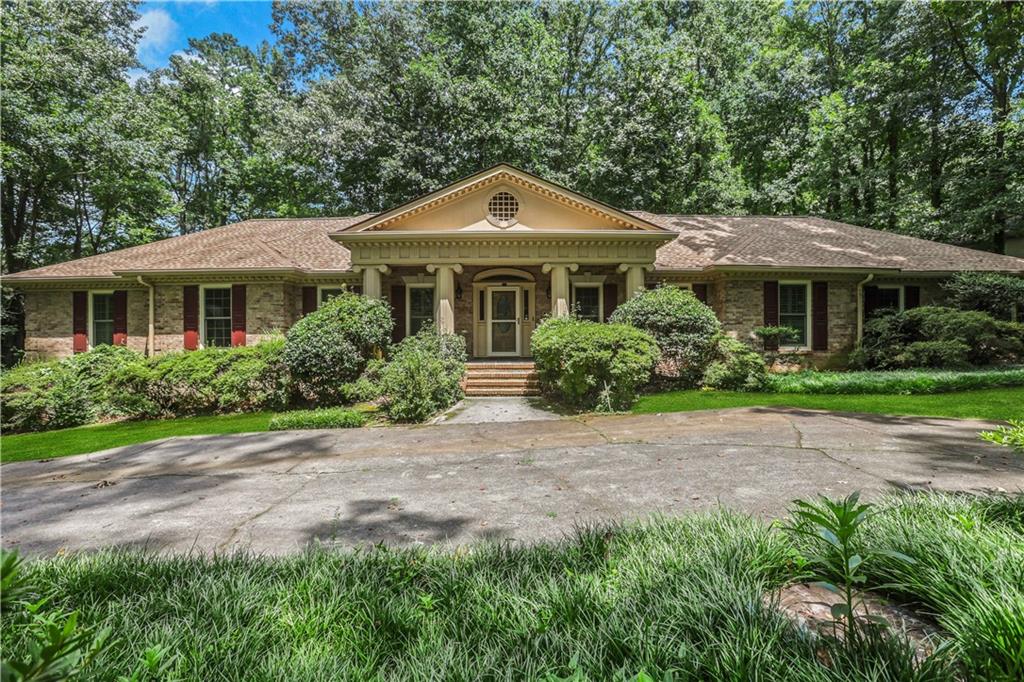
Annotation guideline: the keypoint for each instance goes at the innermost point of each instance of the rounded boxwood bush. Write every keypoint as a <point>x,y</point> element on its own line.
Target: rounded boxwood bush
<point>332,345</point>
<point>591,365</point>
<point>423,375</point>
<point>684,328</point>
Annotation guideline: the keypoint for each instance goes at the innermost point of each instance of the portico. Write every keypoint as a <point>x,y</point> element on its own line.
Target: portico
<point>491,255</point>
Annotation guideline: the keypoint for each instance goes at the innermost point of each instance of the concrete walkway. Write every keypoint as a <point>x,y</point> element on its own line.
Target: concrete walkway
<point>277,492</point>
<point>500,409</point>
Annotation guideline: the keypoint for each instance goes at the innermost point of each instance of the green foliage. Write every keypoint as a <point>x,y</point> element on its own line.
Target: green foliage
<point>38,396</point>
<point>326,418</point>
<point>736,367</point>
<point>1011,435</point>
<point>332,345</point>
<point>591,365</point>
<point>904,382</point>
<point>594,604</point>
<point>774,335</point>
<point>684,328</point>
<point>240,379</point>
<point>423,375</point>
<point>939,337</point>
<point>53,646</point>
<point>989,292</point>
<point>833,527</point>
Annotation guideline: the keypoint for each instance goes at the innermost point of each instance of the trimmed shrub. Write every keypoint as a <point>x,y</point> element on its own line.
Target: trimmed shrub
<point>327,418</point>
<point>331,346</point>
<point>895,382</point>
<point>243,379</point>
<point>423,375</point>
<point>988,292</point>
<point>684,328</point>
<point>591,365</point>
<point>737,367</point>
<point>938,337</point>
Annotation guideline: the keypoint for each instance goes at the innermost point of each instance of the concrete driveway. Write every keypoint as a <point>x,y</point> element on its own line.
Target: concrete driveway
<point>277,492</point>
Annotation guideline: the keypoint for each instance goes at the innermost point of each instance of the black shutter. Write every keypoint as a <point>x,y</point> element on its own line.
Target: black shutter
<point>700,290</point>
<point>308,300</point>
<point>611,299</point>
<point>911,297</point>
<point>819,316</point>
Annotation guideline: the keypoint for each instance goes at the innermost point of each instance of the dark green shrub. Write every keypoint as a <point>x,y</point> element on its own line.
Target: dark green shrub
<point>591,365</point>
<point>948,354</point>
<point>332,346</point>
<point>888,340</point>
<point>773,336</point>
<point>327,418</point>
<point>61,393</point>
<point>242,379</point>
<point>736,367</point>
<point>684,328</point>
<point>423,375</point>
<point>988,292</point>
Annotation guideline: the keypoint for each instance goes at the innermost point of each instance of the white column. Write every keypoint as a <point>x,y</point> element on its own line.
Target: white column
<point>559,286</point>
<point>634,278</point>
<point>371,279</point>
<point>444,296</point>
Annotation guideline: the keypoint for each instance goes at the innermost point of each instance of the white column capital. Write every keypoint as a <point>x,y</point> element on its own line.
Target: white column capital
<point>548,267</point>
<point>382,269</point>
<point>455,267</point>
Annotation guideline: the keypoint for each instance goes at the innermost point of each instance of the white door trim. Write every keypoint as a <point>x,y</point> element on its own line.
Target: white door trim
<point>518,320</point>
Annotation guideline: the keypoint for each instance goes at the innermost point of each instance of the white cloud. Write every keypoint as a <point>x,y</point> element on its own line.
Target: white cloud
<point>160,33</point>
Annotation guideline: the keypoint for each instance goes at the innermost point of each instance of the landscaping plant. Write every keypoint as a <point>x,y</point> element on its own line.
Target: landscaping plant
<point>422,376</point>
<point>895,382</point>
<point>326,418</point>
<point>1011,435</point>
<point>990,292</point>
<point>938,337</point>
<point>834,554</point>
<point>590,365</point>
<point>332,346</point>
<point>684,328</point>
<point>736,367</point>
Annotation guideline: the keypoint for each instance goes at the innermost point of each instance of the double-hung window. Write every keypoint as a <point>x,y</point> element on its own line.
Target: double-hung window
<point>420,306</point>
<point>216,316</point>
<point>102,327</point>
<point>793,311</point>
<point>586,301</point>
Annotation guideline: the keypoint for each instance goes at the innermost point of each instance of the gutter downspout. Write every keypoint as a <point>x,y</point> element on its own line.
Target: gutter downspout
<point>860,305</point>
<point>151,331</point>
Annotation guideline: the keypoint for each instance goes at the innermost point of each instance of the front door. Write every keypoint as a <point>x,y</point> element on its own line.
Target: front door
<point>503,306</point>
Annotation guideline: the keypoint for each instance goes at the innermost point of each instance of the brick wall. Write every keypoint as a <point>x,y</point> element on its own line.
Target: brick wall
<point>48,324</point>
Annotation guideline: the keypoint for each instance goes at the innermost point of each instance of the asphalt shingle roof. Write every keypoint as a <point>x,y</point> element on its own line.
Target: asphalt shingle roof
<point>304,244</point>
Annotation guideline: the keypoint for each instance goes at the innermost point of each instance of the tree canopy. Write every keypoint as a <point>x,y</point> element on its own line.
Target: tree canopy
<point>902,116</point>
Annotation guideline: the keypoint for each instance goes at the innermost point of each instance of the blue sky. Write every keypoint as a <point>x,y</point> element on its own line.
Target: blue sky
<point>169,25</point>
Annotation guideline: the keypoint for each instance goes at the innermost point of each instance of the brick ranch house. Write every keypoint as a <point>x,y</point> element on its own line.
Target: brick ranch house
<point>487,257</point>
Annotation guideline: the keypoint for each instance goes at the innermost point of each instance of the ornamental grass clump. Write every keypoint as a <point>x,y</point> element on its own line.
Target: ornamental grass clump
<point>326,418</point>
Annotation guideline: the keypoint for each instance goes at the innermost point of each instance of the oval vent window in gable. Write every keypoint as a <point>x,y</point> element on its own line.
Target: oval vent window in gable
<point>502,209</point>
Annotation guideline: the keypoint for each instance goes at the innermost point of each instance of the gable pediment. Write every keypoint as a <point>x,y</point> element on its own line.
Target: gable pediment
<point>503,199</point>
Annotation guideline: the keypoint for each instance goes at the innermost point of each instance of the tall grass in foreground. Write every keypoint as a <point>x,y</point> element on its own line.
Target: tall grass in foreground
<point>680,597</point>
<point>895,382</point>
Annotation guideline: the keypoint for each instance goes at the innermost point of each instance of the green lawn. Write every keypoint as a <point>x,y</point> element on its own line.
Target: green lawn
<point>25,446</point>
<point>997,403</point>
<point>672,598</point>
